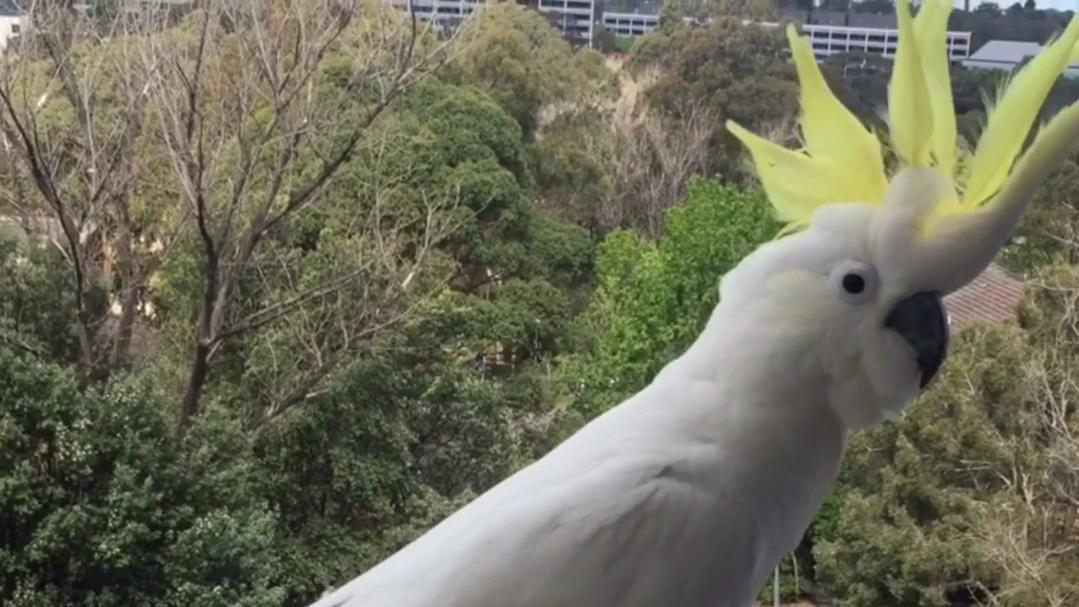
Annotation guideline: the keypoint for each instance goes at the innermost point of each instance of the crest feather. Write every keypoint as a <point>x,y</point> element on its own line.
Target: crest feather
<point>842,157</point>
<point>931,32</point>
<point>842,160</point>
<point>1013,116</point>
<point>834,133</point>
<point>784,174</point>
<point>910,117</point>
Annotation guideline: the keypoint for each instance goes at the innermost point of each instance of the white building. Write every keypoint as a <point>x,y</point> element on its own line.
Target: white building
<point>446,14</point>
<point>834,39</point>
<point>834,32</point>
<point>576,18</point>
<point>630,24</point>
<point>830,32</point>
<point>12,22</point>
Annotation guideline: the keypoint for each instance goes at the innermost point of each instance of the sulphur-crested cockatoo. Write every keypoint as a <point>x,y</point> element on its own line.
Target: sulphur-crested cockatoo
<point>689,492</point>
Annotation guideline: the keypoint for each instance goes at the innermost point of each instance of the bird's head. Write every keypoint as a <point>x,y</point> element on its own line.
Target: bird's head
<point>854,290</point>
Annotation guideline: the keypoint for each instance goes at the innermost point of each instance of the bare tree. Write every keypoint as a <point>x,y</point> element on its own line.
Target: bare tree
<point>253,141</point>
<point>71,112</point>
<point>141,133</point>
<point>319,328</point>
<point>654,160</point>
<point>1032,534</point>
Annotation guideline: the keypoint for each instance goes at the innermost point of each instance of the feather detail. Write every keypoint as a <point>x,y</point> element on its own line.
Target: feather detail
<point>832,133</point>
<point>784,174</point>
<point>842,160</point>
<point>1053,145</point>
<point>931,30</point>
<point>1010,121</point>
<point>910,119</point>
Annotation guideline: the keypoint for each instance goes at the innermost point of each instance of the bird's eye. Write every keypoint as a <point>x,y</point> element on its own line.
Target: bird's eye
<point>855,281</point>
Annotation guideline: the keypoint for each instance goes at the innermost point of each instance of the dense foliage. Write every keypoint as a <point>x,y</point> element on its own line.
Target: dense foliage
<point>258,333</point>
<point>726,71</point>
<point>102,505</point>
<point>652,299</point>
<point>331,433</point>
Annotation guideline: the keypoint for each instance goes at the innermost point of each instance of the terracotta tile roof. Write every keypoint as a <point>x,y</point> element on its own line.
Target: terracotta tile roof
<point>992,297</point>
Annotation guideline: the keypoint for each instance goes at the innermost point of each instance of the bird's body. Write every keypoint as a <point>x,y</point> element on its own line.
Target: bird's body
<point>635,509</point>
<point>688,493</point>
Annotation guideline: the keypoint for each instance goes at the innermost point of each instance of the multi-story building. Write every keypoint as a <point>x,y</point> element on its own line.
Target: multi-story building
<point>578,20</point>
<point>575,18</point>
<point>445,14</point>
<point>630,24</point>
<point>830,32</point>
<point>833,32</point>
<point>834,39</point>
<point>631,18</point>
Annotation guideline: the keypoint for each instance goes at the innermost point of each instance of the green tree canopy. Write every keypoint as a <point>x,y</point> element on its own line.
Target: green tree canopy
<point>524,64</point>
<point>101,504</point>
<point>651,300</point>
<point>727,70</point>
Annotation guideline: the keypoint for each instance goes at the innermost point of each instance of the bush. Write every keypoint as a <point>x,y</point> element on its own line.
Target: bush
<point>653,299</point>
<point>101,504</point>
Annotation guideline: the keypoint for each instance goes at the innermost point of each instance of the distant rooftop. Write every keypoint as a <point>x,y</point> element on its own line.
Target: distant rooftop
<point>1007,54</point>
<point>992,297</point>
<point>836,18</point>
<point>640,7</point>
<point>1005,51</point>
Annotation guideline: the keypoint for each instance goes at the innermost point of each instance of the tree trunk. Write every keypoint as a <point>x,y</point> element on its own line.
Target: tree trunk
<point>204,343</point>
<point>129,296</point>
<point>129,302</point>
<point>200,370</point>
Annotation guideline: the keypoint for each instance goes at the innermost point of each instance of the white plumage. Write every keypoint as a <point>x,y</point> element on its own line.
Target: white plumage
<point>686,494</point>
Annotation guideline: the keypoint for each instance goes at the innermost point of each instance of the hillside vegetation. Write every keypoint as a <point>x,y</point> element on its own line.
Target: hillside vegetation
<point>283,284</point>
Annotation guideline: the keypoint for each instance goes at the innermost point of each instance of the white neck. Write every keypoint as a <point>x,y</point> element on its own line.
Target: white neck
<point>772,429</point>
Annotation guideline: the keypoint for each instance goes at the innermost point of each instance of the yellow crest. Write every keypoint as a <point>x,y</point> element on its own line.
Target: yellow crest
<point>842,160</point>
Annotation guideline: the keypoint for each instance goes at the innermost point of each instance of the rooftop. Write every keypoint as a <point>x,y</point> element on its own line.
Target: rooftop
<point>821,17</point>
<point>993,296</point>
<point>1007,53</point>
<point>640,7</point>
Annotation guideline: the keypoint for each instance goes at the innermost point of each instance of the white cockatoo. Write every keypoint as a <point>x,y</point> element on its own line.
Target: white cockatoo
<point>688,493</point>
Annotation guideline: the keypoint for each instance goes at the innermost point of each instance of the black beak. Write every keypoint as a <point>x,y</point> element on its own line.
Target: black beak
<point>921,321</point>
